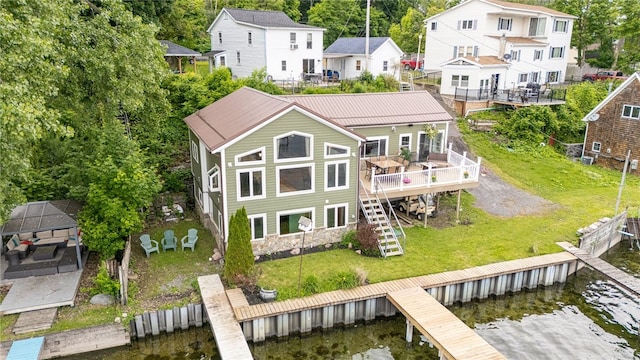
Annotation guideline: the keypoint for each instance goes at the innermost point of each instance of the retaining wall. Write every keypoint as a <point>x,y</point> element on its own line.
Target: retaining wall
<point>155,322</point>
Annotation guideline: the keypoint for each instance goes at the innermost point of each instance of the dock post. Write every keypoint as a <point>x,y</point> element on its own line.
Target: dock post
<point>409,334</point>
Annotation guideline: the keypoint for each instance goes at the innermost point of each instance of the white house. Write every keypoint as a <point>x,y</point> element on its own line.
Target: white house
<point>245,40</point>
<point>491,44</point>
<point>347,57</point>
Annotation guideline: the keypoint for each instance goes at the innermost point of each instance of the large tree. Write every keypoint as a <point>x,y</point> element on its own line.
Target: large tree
<point>406,33</point>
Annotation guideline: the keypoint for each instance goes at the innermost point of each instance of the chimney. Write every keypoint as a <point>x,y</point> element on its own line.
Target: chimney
<point>503,45</point>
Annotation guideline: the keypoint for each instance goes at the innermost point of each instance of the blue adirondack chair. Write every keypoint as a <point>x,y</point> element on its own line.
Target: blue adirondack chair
<point>190,239</point>
<point>169,241</point>
<point>149,245</point>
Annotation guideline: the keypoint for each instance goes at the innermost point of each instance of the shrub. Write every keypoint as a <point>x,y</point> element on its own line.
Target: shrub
<point>349,238</point>
<point>367,240</point>
<point>104,284</point>
<point>239,258</point>
<point>310,285</point>
<point>345,280</point>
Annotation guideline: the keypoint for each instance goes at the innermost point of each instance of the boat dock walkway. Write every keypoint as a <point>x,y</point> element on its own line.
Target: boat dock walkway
<point>453,338</point>
<point>230,340</point>
<point>616,275</point>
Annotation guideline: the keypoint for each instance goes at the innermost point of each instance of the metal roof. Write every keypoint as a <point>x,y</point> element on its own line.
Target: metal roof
<point>374,109</point>
<point>265,18</point>
<point>526,7</point>
<point>42,216</point>
<point>173,49</point>
<point>354,45</point>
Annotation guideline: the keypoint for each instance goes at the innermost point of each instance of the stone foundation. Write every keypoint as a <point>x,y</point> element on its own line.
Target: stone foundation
<point>274,243</point>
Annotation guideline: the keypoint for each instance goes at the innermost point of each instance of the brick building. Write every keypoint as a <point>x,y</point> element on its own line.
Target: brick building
<point>613,128</point>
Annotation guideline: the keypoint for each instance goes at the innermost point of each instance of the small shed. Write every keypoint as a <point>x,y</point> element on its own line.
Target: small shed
<point>177,52</point>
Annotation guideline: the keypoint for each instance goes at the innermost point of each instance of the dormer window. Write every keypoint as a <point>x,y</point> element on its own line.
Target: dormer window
<point>293,146</point>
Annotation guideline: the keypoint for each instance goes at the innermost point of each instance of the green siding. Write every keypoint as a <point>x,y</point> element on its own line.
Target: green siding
<point>292,121</point>
<point>195,165</point>
<point>393,144</point>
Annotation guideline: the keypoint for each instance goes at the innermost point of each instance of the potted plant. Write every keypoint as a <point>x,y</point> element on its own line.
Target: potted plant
<point>466,174</point>
<point>268,295</point>
<point>433,178</point>
<point>405,154</point>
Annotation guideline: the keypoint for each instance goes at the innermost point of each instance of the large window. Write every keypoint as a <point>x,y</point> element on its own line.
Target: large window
<point>293,146</point>
<point>258,224</point>
<point>295,179</point>
<point>536,26</point>
<point>251,184</point>
<point>631,111</point>
<point>560,26</point>
<point>214,179</point>
<point>335,151</point>
<point>335,216</point>
<point>504,24</point>
<point>374,147</point>
<point>460,80</point>
<point>251,157</point>
<point>337,175</point>
<point>288,220</point>
<point>557,52</point>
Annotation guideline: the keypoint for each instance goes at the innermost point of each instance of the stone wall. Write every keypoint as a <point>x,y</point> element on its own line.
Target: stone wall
<point>274,243</point>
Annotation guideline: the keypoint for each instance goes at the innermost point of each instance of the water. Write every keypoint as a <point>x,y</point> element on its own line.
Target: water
<point>588,317</point>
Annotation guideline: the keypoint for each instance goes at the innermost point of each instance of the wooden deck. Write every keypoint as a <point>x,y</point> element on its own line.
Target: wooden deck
<point>445,331</point>
<point>616,275</point>
<point>31,321</point>
<point>249,312</point>
<point>230,340</point>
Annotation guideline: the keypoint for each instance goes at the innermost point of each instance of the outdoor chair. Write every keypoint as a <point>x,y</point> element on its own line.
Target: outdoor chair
<point>149,245</point>
<point>190,239</point>
<point>169,241</point>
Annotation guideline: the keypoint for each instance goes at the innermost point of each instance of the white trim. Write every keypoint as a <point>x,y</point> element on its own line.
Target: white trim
<point>215,169</point>
<point>326,175</point>
<point>225,199</point>
<point>593,146</point>
<point>327,145</point>
<point>257,162</point>
<point>335,206</point>
<point>373,138</point>
<point>195,151</point>
<point>251,171</point>
<point>294,211</point>
<point>631,108</point>
<point>264,226</point>
<point>199,196</point>
<point>295,166</point>
<point>618,90</point>
<point>410,135</point>
<point>298,133</point>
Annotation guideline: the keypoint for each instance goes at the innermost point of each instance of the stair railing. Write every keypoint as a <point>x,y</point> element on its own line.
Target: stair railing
<point>391,211</point>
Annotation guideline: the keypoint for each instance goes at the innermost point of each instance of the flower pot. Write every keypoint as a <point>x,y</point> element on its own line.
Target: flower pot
<point>268,295</point>
<point>406,180</point>
<point>466,175</point>
<point>434,179</point>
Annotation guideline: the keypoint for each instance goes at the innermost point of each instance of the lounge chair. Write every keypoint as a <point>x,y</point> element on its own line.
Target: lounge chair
<point>149,245</point>
<point>190,239</point>
<point>169,241</point>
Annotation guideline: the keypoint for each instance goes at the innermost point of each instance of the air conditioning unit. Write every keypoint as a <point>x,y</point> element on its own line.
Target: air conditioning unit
<point>587,160</point>
<point>634,164</point>
<point>294,46</point>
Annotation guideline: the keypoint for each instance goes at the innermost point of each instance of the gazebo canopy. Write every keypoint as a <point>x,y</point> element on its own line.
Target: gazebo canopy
<point>175,50</point>
<point>42,216</point>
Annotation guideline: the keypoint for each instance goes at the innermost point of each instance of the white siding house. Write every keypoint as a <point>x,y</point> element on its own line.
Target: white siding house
<point>530,44</point>
<point>245,40</point>
<point>347,57</point>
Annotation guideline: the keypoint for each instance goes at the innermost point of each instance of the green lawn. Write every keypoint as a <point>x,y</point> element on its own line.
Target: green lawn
<point>584,195</point>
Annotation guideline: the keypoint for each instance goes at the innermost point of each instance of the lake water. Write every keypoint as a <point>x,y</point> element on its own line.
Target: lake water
<point>588,317</point>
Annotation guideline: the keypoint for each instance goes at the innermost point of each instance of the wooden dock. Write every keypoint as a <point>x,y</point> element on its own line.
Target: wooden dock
<point>616,275</point>
<point>445,331</point>
<point>229,337</point>
<point>36,320</point>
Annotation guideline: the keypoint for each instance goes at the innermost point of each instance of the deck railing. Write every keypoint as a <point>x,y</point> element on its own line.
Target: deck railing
<point>461,169</point>
<point>514,95</point>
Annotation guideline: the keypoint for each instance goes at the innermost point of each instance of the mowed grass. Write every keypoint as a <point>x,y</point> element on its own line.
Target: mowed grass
<point>581,194</point>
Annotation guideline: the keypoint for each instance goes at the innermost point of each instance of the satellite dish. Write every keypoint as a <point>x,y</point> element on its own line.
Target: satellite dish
<point>506,56</point>
<point>594,117</point>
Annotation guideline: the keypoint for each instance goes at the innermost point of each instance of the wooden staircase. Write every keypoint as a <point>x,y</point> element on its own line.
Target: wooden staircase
<point>387,237</point>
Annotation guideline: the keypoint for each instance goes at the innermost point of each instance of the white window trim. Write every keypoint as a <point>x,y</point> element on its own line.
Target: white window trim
<point>264,184</point>
<point>508,21</point>
<point>442,147</point>
<point>400,140</point>
<point>631,112</point>
<point>335,206</point>
<point>199,195</point>
<point>275,147</point>
<point>215,171</point>
<point>326,177</point>
<point>301,192</point>
<point>312,210</point>
<point>257,162</point>
<point>253,230</point>
<point>593,147</point>
<point>372,138</point>
<point>551,56</point>
<point>195,151</point>
<point>566,26</point>
<point>327,145</point>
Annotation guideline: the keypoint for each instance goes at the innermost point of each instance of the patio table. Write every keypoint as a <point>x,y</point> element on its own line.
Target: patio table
<point>47,252</point>
<point>384,165</point>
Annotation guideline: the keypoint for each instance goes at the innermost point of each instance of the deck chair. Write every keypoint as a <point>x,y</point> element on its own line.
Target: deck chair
<point>169,241</point>
<point>367,174</point>
<point>149,245</point>
<point>190,239</point>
